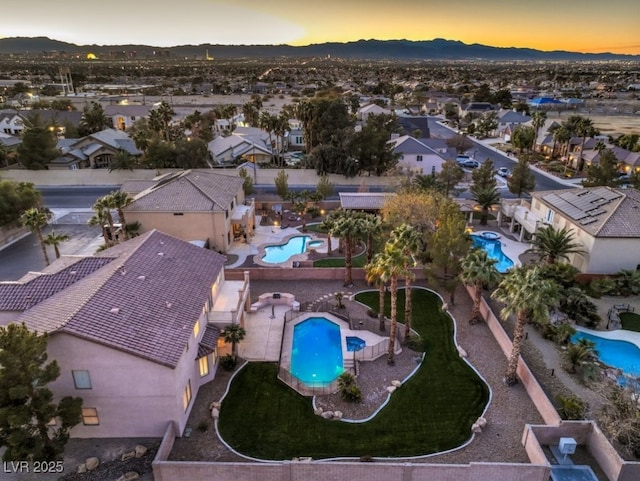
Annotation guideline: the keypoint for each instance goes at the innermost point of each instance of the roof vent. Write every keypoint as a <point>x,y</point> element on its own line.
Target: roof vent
<point>114,310</point>
<point>141,278</point>
<point>161,253</point>
<point>168,304</point>
<point>123,272</point>
<point>73,273</point>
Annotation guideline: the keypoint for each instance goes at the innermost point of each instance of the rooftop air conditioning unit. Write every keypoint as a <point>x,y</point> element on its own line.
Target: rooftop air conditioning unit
<point>567,446</point>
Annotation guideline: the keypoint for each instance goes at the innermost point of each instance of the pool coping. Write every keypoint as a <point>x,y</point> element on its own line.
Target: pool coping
<point>257,258</point>
<point>614,335</point>
<point>504,245</point>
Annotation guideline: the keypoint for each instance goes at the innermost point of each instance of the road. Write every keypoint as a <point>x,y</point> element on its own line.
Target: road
<point>73,196</point>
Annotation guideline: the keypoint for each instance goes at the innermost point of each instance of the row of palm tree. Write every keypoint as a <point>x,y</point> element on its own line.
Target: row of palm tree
<point>35,219</point>
<point>116,200</point>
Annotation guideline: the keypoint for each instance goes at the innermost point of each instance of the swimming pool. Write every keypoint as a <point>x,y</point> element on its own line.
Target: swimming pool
<point>619,354</point>
<point>282,252</point>
<point>316,351</point>
<point>494,250</point>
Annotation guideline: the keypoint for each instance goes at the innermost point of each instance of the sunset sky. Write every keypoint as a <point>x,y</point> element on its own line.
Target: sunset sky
<point>575,25</point>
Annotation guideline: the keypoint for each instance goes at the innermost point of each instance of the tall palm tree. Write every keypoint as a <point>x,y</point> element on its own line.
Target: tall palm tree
<point>328,224</point>
<point>409,241</point>
<point>119,200</point>
<point>562,136</point>
<point>349,229</point>
<point>584,129</point>
<point>372,226</point>
<point>53,239</point>
<point>551,244</point>
<point>486,198</point>
<point>99,219</point>
<point>376,274</point>
<point>527,294</point>
<point>393,267</point>
<point>35,219</point>
<point>102,208</point>
<point>233,334</point>
<point>478,269</point>
<point>538,118</point>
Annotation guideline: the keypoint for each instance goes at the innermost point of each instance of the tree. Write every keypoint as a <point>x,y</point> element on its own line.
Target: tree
<point>409,242</point>
<point>487,124</point>
<point>538,118</point>
<point>159,155</point>
<point>160,119</point>
<point>577,353</point>
<point>603,173</point>
<point>247,184</point>
<point>523,137</point>
<point>118,200</point>
<point>551,244</point>
<point>522,179</point>
<point>123,160</point>
<point>15,198</point>
<point>233,334</point>
<point>450,176</point>
<point>371,144</point>
<point>282,185</point>
<point>459,142</point>
<point>349,228</point>
<point>191,154</point>
<point>484,177</point>
<point>53,239</point>
<point>527,295</point>
<point>38,148</point>
<point>375,274</point>
<point>102,207</point>
<point>584,128</point>
<point>393,267</point>
<point>486,198</point>
<point>478,269</point>
<point>93,119</point>
<point>324,187</point>
<point>371,227</point>
<point>99,219</point>
<point>35,219</point>
<point>26,404</point>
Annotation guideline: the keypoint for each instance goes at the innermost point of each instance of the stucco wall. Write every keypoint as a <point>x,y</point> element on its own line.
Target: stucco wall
<point>608,256</point>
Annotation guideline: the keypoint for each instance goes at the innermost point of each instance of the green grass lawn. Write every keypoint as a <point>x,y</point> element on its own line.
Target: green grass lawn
<point>356,261</point>
<point>630,321</point>
<point>433,411</point>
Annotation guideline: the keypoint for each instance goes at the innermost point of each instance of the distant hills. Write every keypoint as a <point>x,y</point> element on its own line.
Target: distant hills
<point>437,49</point>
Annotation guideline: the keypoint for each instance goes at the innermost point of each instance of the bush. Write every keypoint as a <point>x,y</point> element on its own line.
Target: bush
<point>575,304</point>
<point>602,287</point>
<point>228,362</point>
<point>563,274</point>
<point>313,211</point>
<point>372,313</point>
<point>571,407</point>
<point>628,283</point>
<point>417,343</point>
<point>349,391</point>
<point>203,426</point>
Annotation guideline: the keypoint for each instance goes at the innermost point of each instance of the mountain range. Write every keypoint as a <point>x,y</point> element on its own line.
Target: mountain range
<point>437,49</point>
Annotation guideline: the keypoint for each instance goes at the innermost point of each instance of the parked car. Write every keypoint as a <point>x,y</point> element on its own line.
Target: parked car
<point>461,159</point>
<point>470,164</point>
<point>504,172</point>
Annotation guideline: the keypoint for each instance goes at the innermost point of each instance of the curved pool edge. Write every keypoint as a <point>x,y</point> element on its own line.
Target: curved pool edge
<point>257,258</point>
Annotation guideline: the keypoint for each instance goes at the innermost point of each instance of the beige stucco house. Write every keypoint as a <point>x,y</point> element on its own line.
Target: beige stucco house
<point>134,329</point>
<point>196,205</point>
<point>604,220</point>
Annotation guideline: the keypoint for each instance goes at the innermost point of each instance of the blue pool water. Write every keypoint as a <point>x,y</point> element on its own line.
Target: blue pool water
<point>282,252</point>
<point>355,343</point>
<point>494,250</point>
<point>316,353</point>
<point>620,354</point>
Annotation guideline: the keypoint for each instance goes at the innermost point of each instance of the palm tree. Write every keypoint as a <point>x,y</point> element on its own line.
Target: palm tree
<point>527,294</point>
<point>478,269</point>
<point>35,219</point>
<point>99,219</point>
<point>372,226</point>
<point>233,334</point>
<point>393,267</point>
<point>349,229</point>
<point>578,353</point>
<point>409,241</point>
<point>328,225</point>
<point>538,118</point>
<point>562,136</point>
<point>584,128</point>
<point>102,208</point>
<point>53,239</point>
<point>119,200</point>
<point>376,274</point>
<point>550,244</point>
<point>486,198</point>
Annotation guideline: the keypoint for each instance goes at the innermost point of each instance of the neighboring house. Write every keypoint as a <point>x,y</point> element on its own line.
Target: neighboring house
<point>122,117</point>
<point>196,205</point>
<point>475,109</point>
<point>605,221</point>
<point>507,123</point>
<point>94,151</point>
<point>412,123</point>
<point>415,156</point>
<point>363,201</point>
<point>134,330</point>
<point>246,142</point>
<point>371,109</point>
<point>11,122</point>
<point>296,135</point>
<point>9,142</point>
<point>627,161</point>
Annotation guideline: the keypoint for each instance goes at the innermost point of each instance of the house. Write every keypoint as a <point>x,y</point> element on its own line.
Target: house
<point>371,109</point>
<point>246,142</point>
<point>507,123</point>
<point>94,151</point>
<point>415,156</point>
<point>414,124</point>
<point>627,161</point>
<point>196,205</point>
<point>605,221</point>
<point>475,109</point>
<point>134,329</point>
<point>123,117</point>
<point>11,122</point>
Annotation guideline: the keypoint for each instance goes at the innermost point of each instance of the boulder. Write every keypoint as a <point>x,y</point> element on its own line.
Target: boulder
<point>140,451</point>
<point>462,352</point>
<point>482,422</point>
<point>92,463</point>
<point>337,414</point>
<point>391,389</point>
<point>215,413</point>
<point>476,429</point>
<point>396,383</point>
<point>82,468</point>
<point>129,476</point>
<point>318,412</point>
<point>327,415</point>
<point>128,455</point>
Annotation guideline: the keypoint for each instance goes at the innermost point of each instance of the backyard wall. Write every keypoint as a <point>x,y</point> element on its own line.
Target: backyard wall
<point>302,273</point>
<point>11,234</point>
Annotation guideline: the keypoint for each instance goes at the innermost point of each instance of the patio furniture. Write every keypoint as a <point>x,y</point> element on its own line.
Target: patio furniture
<point>623,307</point>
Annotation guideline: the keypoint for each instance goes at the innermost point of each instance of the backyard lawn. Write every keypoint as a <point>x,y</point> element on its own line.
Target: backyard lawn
<point>433,411</point>
<point>630,321</point>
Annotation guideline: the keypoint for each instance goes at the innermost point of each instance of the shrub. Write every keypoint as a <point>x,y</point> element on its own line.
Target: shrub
<point>571,407</point>
<point>349,391</point>
<point>417,343</point>
<point>203,426</point>
<point>575,304</point>
<point>628,282</point>
<point>601,287</point>
<point>228,362</point>
<point>313,211</point>
<point>562,334</point>
<point>563,274</point>
<point>372,313</point>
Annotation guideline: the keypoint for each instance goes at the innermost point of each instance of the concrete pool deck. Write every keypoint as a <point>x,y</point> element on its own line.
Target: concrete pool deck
<point>510,247</point>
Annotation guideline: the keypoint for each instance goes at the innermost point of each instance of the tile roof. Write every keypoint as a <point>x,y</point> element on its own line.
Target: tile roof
<point>145,301</point>
<point>209,341</point>
<point>363,200</point>
<point>189,191</point>
<point>409,145</point>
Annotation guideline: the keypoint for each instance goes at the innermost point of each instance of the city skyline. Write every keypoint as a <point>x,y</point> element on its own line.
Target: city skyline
<point>579,26</point>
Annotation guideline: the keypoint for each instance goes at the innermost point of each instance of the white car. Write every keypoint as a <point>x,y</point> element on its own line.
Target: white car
<point>504,172</point>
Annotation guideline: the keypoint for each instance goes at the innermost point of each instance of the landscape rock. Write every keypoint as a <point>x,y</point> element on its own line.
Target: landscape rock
<point>140,451</point>
<point>482,422</point>
<point>462,352</point>
<point>129,476</point>
<point>214,405</point>
<point>128,455</point>
<point>215,413</point>
<point>337,414</point>
<point>396,383</point>
<point>475,428</point>
<point>82,468</point>
<point>391,389</point>
<point>327,415</point>
<point>318,412</point>
<point>92,463</point>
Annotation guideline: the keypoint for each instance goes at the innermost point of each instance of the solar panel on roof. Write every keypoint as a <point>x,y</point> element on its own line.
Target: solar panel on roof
<point>609,194</point>
<point>588,220</point>
<point>597,212</point>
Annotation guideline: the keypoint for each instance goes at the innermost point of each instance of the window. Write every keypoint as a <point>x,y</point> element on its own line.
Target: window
<point>81,379</point>
<point>90,417</point>
<point>203,366</point>
<point>549,218</point>
<point>196,329</point>
<point>226,214</point>
<point>186,395</point>
<point>178,213</point>
<point>419,158</point>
